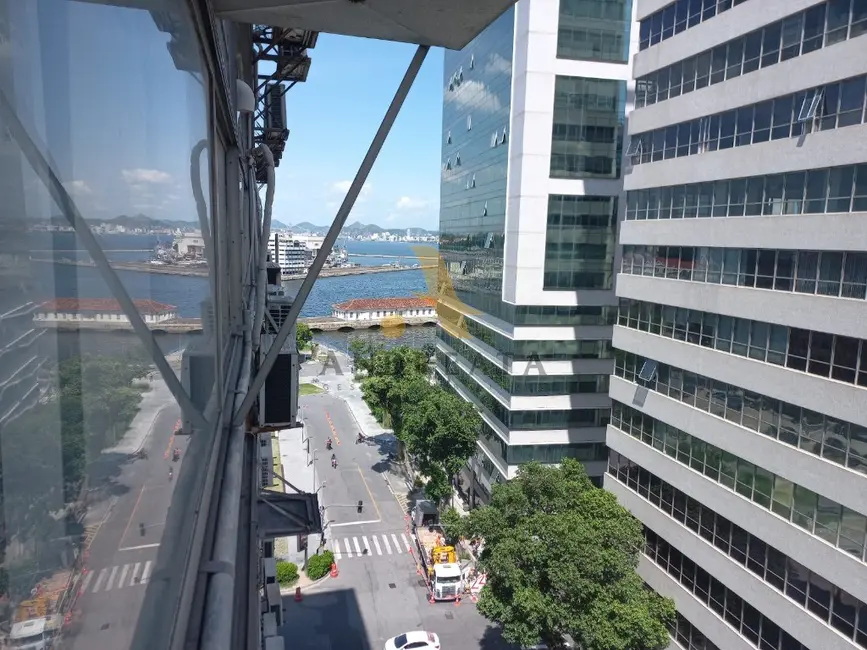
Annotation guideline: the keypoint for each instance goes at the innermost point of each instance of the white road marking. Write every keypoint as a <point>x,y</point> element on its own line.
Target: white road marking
<point>133,579</point>
<point>387,545</point>
<point>122,576</point>
<point>86,582</point>
<point>376,544</point>
<point>99,579</point>
<point>396,543</point>
<point>110,583</point>
<point>406,542</point>
<point>337,553</point>
<point>146,572</point>
<point>365,545</point>
<point>355,523</point>
<point>348,550</point>
<point>357,547</point>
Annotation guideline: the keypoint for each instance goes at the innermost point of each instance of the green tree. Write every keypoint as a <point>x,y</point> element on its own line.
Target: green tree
<point>303,336</point>
<point>560,557</point>
<point>440,431</point>
<point>362,352</point>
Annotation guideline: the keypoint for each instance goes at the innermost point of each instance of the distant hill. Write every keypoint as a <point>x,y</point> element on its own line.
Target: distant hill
<point>133,221</point>
<point>357,228</point>
<point>279,225</point>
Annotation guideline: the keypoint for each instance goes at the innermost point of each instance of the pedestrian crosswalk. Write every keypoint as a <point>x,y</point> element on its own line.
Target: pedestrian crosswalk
<point>373,544</point>
<point>116,577</point>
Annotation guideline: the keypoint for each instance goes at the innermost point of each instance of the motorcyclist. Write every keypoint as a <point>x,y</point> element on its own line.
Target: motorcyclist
<point>171,473</point>
<point>333,460</point>
<point>360,438</point>
<point>328,444</point>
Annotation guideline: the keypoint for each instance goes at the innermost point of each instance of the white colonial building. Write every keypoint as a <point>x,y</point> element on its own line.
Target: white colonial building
<point>100,310</point>
<point>378,308</point>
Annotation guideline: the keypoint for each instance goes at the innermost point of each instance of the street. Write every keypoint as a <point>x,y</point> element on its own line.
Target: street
<point>378,593</point>
<point>121,554</point>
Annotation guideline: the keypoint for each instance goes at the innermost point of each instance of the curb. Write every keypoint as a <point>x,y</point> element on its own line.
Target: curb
<point>290,591</point>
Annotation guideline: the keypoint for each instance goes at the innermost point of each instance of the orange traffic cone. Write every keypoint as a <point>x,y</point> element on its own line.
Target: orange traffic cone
<point>334,572</point>
<point>297,594</point>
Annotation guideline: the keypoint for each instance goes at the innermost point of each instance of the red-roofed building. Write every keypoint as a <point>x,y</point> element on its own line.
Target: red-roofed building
<point>101,310</point>
<point>376,308</point>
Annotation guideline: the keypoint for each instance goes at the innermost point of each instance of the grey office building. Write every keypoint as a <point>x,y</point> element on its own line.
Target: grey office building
<point>739,401</point>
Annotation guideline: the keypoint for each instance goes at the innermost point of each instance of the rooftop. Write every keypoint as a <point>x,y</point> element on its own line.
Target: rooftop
<point>102,306</point>
<point>385,304</point>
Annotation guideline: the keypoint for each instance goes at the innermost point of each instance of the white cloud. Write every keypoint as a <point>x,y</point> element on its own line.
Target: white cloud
<point>79,188</point>
<point>343,187</point>
<point>140,176</point>
<point>497,64</point>
<point>409,203</point>
<point>474,95</point>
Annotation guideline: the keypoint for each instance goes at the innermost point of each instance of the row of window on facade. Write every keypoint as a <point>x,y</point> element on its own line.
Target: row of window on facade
<point>526,385</point>
<point>819,26</point>
<point>833,439</point>
<point>842,358</point>
<point>678,17</point>
<point>523,315</point>
<point>834,106</point>
<point>826,273</point>
<point>832,605</point>
<point>522,420</point>
<point>817,515</point>
<point>817,191</point>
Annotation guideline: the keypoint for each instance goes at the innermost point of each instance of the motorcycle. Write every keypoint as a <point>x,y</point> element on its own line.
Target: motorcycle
<point>176,454</point>
<point>334,462</point>
<point>328,444</point>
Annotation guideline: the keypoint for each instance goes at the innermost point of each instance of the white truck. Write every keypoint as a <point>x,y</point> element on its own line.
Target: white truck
<point>35,633</point>
<point>438,559</point>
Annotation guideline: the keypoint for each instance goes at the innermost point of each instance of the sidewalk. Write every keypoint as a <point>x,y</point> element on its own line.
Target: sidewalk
<point>157,397</point>
<point>295,469</point>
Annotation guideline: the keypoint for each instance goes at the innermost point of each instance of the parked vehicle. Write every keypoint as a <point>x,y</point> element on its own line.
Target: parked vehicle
<point>417,640</point>
<point>439,560</point>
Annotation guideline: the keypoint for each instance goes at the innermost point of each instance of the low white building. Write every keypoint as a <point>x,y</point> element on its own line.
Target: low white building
<point>378,308</point>
<point>190,244</point>
<point>100,310</point>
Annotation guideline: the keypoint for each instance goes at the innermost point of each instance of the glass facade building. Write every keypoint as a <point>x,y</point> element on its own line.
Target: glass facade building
<point>738,434</point>
<point>527,301</point>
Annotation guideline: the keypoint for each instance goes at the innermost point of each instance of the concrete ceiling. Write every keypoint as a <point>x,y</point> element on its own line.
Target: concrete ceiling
<point>445,23</point>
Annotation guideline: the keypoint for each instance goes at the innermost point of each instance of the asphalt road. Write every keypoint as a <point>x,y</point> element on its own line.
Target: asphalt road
<point>378,593</point>
<point>120,558</point>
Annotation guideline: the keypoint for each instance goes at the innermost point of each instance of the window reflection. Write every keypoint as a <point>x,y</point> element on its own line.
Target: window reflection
<point>588,126</point>
<point>822,435</point>
<point>795,348</point>
<point>594,30</point>
<point>789,500</point>
<point>580,242</point>
<point>678,17</point>
<point>826,273</point>
<point>780,194</point>
<point>791,116</point>
<point>118,124</point>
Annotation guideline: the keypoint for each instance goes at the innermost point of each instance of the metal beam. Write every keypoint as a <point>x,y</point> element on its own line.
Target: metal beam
<point>44,170</point>
<point>339,220</point>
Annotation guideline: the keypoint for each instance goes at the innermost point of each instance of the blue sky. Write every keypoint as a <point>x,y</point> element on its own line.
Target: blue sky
<point>333,117</point>
<point>120,128</point>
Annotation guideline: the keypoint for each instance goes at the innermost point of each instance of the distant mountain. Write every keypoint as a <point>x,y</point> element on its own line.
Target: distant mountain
<point>357,228</point>
<point>131,222</point>
<point>279,225</point>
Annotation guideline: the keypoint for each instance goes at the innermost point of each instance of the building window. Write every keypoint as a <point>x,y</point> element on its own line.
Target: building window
<point>826,273</point>
<point>594,30</point>
<point>678,17</point>
<point>830,438</point>
<point>580,242</point>
<point>831,190</point>
<point>839,525</point>
<point>834,106</point>
<point>819,26</point>
<point>588,125</point>
<point>841,358</point>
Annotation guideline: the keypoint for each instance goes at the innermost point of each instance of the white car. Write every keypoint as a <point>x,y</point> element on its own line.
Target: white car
<point>414,641</point>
